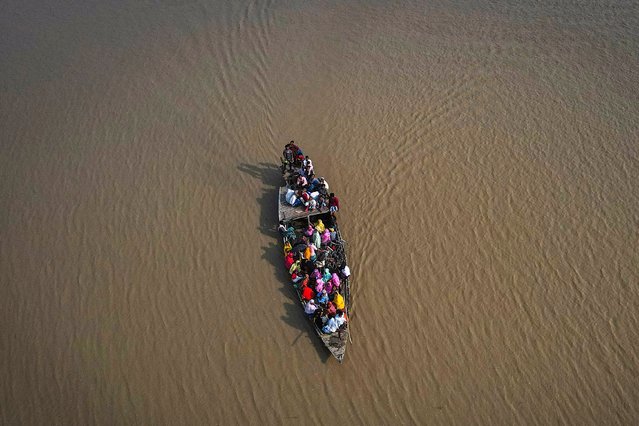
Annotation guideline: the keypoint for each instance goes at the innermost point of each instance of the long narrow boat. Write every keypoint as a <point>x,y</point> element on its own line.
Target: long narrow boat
<point>335,253</point>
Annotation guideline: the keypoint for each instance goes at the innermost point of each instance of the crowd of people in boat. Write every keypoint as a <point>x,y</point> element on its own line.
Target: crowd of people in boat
<point>318,280</point>
<point>310,254</point>
<point>304,188</point>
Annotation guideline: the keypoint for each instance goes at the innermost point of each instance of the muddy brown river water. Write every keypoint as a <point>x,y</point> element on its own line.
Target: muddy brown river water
<point>486,156</point>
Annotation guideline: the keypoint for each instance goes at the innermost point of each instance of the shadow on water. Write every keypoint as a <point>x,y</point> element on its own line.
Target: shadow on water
<point>270,176</point>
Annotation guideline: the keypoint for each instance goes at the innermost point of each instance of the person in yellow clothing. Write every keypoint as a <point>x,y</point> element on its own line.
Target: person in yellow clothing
<point>295,267</point>
<point>287,248</point>
<point>320,226</point>
<point>338,300</point>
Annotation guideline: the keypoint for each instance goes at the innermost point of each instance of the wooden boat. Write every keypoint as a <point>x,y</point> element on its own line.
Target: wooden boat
<point>299,219</point>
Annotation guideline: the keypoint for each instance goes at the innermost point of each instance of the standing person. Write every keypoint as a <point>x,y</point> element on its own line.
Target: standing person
<point>294,147</point>
<point>333,204</point>
<point>324,184</point>
<point>288,156</point>
<point>309,166</point>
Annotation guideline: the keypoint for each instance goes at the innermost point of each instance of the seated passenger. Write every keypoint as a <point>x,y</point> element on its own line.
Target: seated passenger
<point>290,234</point>
<point>292,200</point>
<point>315,237</point>
<point>309,252</point>
<point>339,301</point>
<point>331,326</point>
<point>302,182</point>
<point>288,260</point>
<point>305,279</point>
<point>311,204</point>
<point>326,237</point>
<point>346,271</point>
<point>322,298</point>
<point>298,248</point>
<point>310,307</point>
<point>295,267</point>
<point>319,286</point>
<point>313,185</point>
<point>335,279</point>
<point>331,309</point>
<point>307,266</point>
<point>287,248</point>
<point>340,318</point>
<point>326,275</point>
<point>320,226</point>
<point>320,317</point>
<point>309,230</point>
<point>333,234</point>
<point>328,285</point>
<point>289,193</point>
<point>307,293</point>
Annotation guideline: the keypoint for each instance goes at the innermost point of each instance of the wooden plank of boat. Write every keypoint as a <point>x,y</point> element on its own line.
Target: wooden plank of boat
<point>286,212</point>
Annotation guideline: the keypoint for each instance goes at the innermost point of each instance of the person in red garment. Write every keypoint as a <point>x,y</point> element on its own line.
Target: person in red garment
<point>333,204</point>
<point>288,260</point>
<point>307,293</point>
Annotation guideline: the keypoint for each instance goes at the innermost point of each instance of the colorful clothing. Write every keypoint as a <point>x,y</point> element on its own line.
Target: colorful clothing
<point>335,279</point>
<point>307,294</point>
<point>326,237</point>
<point>339,301</point>
<point>295,267</point>
<point>288,261</point>
<point>310,307</point>
<point>322,298</point>
<point>331,326</point>
<point>339,320</point>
